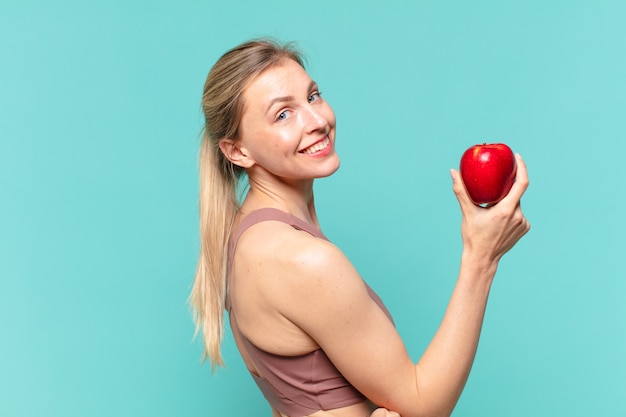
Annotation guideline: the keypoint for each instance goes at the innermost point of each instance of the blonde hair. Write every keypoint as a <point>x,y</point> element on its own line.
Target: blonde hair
<point>222,105</point>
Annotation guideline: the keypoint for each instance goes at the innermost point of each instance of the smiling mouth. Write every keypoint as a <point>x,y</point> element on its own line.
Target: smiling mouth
<point>317,147</point>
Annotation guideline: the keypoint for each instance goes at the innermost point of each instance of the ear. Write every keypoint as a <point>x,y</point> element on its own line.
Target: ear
<point>235,153</point>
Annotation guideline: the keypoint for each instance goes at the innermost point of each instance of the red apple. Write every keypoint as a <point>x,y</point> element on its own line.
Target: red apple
<point>488,171</point>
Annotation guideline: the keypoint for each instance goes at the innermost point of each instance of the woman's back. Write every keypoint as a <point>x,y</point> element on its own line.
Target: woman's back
<point>294,374</point>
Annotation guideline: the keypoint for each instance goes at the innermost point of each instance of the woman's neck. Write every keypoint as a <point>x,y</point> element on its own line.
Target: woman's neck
<point>296,200</point>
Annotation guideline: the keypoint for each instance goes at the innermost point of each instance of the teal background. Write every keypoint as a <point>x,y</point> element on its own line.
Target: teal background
<point>99,129</point>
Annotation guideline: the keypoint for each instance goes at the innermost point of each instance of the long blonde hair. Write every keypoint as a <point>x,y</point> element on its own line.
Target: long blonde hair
<point>222,105</point>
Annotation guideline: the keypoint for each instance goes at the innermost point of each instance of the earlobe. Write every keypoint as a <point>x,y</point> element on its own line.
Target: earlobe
<point>235,153</point>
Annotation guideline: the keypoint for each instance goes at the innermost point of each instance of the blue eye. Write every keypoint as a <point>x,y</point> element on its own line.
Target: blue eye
<point>315,96</point>
<point>283,115</point>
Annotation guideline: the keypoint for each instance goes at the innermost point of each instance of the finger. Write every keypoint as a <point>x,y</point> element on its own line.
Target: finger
<point>521,181</point>
<point>522,224</point>
<point>458,186</point>
<point>525,225</point>
<point>383,412</point>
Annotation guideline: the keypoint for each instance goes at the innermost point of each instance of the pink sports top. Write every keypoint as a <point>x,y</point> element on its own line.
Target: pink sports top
<point>295,385</point>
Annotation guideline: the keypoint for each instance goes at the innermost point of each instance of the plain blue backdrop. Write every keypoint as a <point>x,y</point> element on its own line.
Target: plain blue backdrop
<point>99,131</point>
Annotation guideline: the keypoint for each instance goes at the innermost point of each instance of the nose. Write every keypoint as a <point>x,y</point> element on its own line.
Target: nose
<point>314,119</point>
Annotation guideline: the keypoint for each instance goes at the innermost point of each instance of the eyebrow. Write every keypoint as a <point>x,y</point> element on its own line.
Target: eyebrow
<point>285,99</point>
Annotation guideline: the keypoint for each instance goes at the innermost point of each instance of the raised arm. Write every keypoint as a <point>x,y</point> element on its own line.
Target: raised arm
<point>364,344</point>
<point>487,235</point>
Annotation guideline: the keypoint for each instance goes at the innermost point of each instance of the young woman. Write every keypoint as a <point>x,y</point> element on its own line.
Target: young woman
<point>314,336</point>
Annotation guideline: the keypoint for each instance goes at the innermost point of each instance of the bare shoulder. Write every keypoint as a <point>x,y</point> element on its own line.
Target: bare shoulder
<point>282,280</point>
<point>291,266</point>
<point>274,244</point>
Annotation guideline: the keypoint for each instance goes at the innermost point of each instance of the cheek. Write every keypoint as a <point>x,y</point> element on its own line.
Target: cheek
<point>276,145</point>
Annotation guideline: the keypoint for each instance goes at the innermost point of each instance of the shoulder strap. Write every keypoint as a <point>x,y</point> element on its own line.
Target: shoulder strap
<point>261,215</point>
<point>272,214</point>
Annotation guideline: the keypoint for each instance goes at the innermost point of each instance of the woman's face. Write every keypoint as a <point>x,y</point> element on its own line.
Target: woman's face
<point>287,129</point>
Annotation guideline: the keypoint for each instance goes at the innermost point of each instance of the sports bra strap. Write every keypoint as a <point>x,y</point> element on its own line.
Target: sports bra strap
<point>261,215</point>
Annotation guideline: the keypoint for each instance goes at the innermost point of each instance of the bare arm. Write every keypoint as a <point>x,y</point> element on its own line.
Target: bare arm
<point>364,345</point>
<point>487,235</point>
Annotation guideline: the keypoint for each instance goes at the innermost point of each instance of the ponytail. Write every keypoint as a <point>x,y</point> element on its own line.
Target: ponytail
<point>218,206</point>
<point>222,105</point>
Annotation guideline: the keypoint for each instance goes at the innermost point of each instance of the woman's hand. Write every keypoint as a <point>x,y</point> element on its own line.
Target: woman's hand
<point>488,233</point>
<point>383,412</point>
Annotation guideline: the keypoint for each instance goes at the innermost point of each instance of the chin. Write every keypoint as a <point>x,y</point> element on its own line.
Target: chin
<point>332,169</point>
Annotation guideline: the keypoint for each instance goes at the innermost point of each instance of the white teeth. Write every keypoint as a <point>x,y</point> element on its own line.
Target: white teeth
<point>317,147</point>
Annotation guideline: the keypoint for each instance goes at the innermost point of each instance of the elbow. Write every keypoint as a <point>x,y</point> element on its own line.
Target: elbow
<point>428,406</point>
